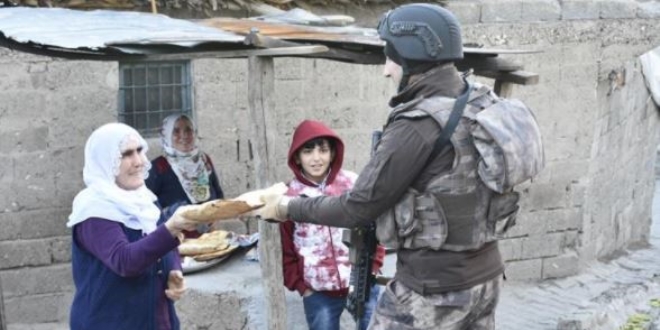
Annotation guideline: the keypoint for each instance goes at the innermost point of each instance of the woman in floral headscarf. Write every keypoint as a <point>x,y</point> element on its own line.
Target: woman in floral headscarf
<point>184,175</point>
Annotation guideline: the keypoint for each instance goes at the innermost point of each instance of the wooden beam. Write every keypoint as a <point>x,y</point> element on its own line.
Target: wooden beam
<point>269,52</point>
<point>261,87</point>
<point>518,77</point>
<point>504,80</point>
<point>254,38</point>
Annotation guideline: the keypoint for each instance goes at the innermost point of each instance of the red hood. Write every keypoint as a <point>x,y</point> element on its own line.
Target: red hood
<point>309,130</point>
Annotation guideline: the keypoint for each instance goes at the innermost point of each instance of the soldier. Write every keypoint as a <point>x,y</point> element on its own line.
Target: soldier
<point>424,185</point>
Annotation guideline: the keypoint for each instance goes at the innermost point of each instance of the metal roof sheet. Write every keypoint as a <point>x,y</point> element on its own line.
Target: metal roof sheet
<point>98,29</point>
<point>117,35</point>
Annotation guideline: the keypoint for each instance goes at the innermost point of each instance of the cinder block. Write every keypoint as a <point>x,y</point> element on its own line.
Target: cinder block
<point>53,308</point>
<point>618,9</point>
<point>8,55</point>
<point>546,196</point>
<point>25,140</point>
<point>60,249</point>
<point>219,71</point>
<point>39,326</point>
<point>511,249</point>
<point>85,74</point>
<point>564,219</point>
<point>290,96</point>
<point>524,269</point>
<point>467,12</point>
<point>214,100</point>
<point>548,245</point>
<point>6,168</point>
<point>578,194</point>
<point>580,9</point>
<point>13,76</point>
<point>568,170</point>
<point>66,187</point>
<point>501,11</point>
<point>529,223</point>
<point>287,68</point>
<point>33,193</point>
<point>22,105</point>
<point>42,223</point>
<point>71,120</point>
<point>24,253</point>
<point>571,240</point>
<point>540,222</point>
<point>37,280</point>
<point>648,9</point>
<point>541,10</point>
<point>561,266</point>
<point>7,204</point>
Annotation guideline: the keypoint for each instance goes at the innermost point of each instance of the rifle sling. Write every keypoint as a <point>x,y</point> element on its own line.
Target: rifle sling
<point>448,130</point>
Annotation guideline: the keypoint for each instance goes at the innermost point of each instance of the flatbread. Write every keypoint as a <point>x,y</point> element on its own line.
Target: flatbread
<point>207,243</point>
<point>217,210</point>
<point>216,254</point>
<point>255,197</point>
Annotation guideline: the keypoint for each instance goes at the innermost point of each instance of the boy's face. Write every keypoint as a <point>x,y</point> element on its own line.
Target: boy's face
<point>315,161</point>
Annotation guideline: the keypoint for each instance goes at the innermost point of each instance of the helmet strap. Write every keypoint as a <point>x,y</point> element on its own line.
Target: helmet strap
<point>405,76</point>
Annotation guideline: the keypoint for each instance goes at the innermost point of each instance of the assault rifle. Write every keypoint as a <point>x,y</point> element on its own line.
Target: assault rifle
<point>362,245</point>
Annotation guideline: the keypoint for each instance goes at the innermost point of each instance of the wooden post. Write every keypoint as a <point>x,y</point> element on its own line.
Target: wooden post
<point>503,88</point>
<point>3,318</point>
<point>261,85</point>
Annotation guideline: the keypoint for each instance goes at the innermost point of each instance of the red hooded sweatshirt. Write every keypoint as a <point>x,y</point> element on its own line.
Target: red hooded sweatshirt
<point>314,256</point>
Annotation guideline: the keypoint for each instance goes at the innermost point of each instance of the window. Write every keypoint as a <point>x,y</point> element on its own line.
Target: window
<point>151,91</point>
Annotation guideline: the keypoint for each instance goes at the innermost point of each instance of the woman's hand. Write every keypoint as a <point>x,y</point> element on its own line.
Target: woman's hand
<point>176,286</point>
<point>177,222</point>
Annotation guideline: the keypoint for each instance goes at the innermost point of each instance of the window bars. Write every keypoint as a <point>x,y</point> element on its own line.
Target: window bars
<point>151,91</point>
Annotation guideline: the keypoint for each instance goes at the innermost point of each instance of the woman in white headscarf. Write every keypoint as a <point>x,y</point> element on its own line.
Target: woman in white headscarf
<point>126,268</point>
<point>185,174</point>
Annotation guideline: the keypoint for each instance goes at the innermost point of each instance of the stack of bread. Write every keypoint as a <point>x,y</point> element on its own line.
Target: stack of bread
<point>208,246</point>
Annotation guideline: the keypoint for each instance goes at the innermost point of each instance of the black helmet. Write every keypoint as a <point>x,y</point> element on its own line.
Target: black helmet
<point>421,33</point>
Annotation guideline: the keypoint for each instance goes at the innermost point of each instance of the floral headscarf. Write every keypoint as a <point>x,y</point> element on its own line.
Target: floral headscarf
<point>102,197</point>
<point>189,167</point>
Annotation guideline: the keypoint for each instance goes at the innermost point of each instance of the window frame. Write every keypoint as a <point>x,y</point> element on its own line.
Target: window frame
<point>148,121</point>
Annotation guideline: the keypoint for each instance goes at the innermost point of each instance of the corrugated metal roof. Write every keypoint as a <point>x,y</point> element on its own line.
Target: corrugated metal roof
<point>115,35</point>
<point>345,34</point>
<point>100,29</point>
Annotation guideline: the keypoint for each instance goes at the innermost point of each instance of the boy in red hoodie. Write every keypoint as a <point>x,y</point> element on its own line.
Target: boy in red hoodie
<point>315,261</point>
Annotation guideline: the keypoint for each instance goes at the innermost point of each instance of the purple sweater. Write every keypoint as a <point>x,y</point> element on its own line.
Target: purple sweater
<point>106,240</point>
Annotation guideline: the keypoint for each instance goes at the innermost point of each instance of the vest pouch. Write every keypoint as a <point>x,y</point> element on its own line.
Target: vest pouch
<point>502,213</point>
<point>397,225</point>
<point>430,224</point>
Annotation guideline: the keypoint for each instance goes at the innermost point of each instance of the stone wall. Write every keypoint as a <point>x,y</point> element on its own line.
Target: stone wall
<point>592,201</point>
<point>48,109</point>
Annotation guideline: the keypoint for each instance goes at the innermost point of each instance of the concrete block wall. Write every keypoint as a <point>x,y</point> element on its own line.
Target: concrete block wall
<point>591,201</point>
<point>48,109</point>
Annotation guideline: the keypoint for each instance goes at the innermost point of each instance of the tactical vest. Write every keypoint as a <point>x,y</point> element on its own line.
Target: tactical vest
<point>456,211</point>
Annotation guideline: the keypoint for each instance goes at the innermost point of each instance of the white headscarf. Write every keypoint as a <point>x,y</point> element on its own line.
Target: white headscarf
<point>102,198</point>
<point>189,167</point>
